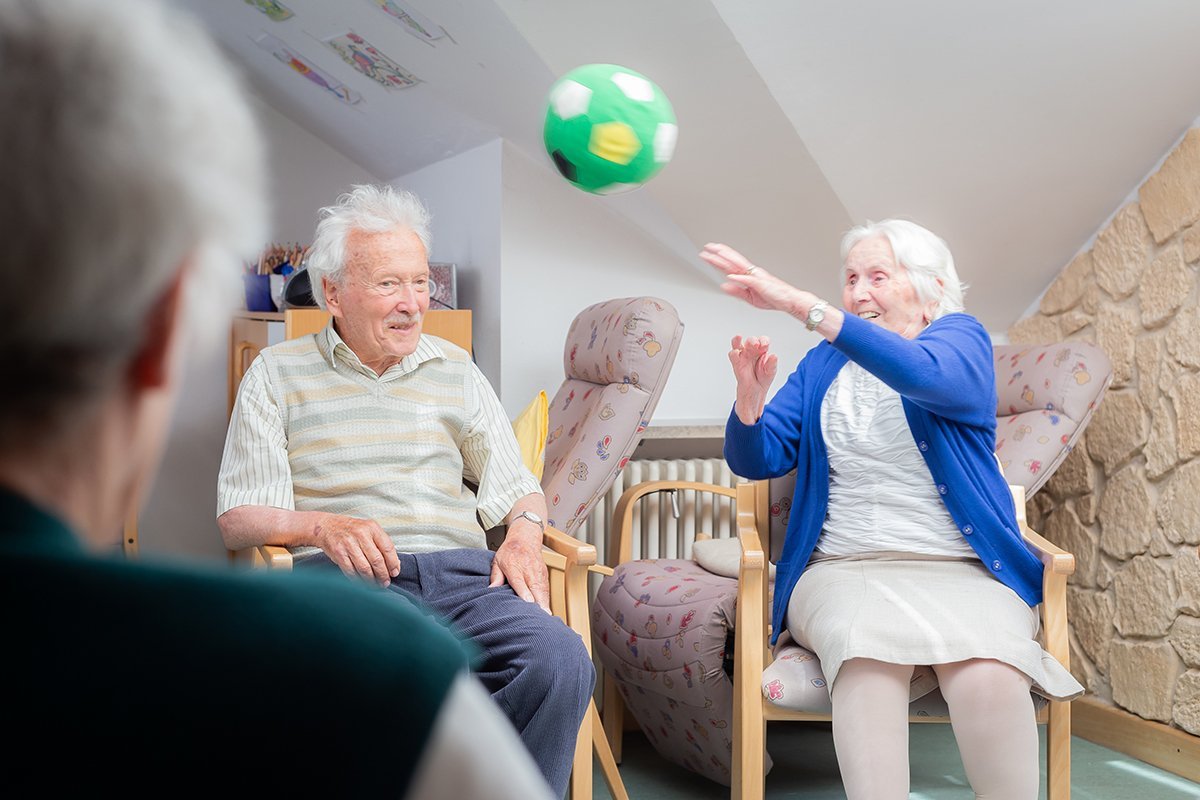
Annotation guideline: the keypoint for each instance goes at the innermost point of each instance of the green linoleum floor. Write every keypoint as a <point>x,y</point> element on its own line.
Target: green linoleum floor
<point>806,767</point>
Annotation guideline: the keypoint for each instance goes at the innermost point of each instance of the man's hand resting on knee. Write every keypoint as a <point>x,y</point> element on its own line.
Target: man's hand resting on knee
<point>518,561</point>
<point>358,546</point>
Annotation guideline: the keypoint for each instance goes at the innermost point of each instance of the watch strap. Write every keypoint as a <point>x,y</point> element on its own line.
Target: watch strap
<point>534,518</point>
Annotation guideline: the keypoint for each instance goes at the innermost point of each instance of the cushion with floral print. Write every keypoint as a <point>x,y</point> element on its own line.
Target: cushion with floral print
<point>794,680</point>
<point>1045,397</point>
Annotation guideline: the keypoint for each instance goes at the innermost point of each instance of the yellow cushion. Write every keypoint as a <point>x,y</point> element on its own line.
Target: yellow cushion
<point>531,427</point>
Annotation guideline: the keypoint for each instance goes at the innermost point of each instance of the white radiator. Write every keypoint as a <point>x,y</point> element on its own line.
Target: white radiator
<point>665,527</point>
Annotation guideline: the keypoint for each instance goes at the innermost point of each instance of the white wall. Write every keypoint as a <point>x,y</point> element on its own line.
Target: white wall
<point>463,195</point>
<point>306,174</point>
<point>564,249</point>
<point>180,515</point>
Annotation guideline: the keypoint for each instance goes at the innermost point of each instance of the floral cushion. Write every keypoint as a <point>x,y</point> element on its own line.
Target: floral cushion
<point>617,357</point>
<point>1046,395</point>
<point>794,680</point>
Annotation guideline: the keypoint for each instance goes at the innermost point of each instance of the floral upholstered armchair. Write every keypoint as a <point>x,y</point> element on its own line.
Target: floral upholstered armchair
<point>616,360</point>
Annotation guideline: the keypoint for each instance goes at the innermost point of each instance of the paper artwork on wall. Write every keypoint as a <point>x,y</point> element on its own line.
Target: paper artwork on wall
<point>302,66</point>
<point>272,8</point>
<point>413,22</point>
<point>360,54</point>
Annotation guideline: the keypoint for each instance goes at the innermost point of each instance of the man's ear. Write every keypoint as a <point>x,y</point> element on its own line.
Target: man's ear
<point>333,303</point>
<point>151,364</point>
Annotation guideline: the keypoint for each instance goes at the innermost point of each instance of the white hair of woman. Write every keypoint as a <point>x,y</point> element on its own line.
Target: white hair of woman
<point>103,205</point>
<point>924,254</point>
<point>369,208</point>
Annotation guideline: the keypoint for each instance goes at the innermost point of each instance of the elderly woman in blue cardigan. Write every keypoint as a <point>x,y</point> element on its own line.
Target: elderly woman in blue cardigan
<point>902,548</point>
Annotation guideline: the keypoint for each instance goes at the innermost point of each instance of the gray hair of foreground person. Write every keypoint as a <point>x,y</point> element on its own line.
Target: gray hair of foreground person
<point>924,254</point>
<point>130,152</point>
<point>365,207</point>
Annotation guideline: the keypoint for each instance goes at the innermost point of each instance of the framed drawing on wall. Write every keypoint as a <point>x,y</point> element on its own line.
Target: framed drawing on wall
<point>443,286</point>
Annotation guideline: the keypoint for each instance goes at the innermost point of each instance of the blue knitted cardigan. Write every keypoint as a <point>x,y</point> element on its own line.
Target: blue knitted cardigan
<point>946,381</point>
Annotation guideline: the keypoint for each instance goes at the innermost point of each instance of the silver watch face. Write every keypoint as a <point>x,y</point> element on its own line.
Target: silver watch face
<point>815,315</point>
<point>532,517</point>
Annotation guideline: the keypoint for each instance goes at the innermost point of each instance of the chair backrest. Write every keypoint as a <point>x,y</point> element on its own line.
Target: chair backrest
<point>1047,395</point>
<point>616,360</point>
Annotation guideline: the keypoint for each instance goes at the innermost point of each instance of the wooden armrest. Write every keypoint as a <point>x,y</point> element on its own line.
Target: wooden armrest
<point>620,543</point>
<point>569,560</point>
<point>752,613</point>
<point>649,487</point>
<point>275,557</point>
<point>555,561</point>
<point>601,569</point>
<point>1053,557</point>
<point>581,553</point>
<point>748,495</point>
<point>265,556</point>
<point>753,557</point>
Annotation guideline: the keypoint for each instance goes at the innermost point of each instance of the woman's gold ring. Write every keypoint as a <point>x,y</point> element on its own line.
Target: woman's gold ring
<point>750,270</point>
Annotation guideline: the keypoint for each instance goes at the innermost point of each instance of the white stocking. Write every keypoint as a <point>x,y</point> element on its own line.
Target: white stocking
<point>992,714</point>
<point>870,728</point>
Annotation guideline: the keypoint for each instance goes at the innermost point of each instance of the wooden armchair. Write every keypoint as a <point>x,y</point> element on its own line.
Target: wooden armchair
<point>1046,396</point>
<point>741,699</point>
<point>751,708</point>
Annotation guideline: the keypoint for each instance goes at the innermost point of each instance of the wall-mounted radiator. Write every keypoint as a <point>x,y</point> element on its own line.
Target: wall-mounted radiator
<point>665,527</point>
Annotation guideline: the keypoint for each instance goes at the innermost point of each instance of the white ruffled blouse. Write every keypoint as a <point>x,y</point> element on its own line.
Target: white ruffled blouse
<point>881,494</point>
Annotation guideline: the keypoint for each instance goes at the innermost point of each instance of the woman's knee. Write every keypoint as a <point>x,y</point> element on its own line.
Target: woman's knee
<point>982,673</point>
<point>983,681</point>
<point>876,671</point>
<point>865,681</point>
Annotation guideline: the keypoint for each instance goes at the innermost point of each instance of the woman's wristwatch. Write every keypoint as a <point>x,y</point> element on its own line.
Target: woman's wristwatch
<point>816,313</point>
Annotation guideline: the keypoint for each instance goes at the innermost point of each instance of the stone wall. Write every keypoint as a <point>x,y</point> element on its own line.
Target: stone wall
<point>1127,499</point>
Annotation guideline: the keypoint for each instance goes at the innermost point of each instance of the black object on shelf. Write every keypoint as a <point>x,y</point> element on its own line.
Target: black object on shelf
<point>298,292</point>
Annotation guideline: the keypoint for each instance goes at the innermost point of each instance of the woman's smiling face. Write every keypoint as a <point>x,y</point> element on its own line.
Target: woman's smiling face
<point>878,289</point>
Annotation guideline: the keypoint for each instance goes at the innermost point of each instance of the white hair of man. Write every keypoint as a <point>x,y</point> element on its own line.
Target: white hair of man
<point>924,254</point>
<point>369,208</point>
<point>129,152</point>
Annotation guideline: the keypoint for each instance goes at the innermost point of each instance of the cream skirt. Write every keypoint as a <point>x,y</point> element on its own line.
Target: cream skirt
<point>910,609</point>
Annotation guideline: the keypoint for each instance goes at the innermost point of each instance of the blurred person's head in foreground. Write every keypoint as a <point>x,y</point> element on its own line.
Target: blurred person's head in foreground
<point>133,187</point>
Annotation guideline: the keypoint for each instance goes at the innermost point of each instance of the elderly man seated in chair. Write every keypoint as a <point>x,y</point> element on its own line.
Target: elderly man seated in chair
<point>353,447</point>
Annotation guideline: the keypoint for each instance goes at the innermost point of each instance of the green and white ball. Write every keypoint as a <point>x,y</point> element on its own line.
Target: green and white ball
<point>608,129</point>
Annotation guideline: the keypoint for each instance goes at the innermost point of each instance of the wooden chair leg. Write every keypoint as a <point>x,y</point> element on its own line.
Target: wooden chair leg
<point>580,786</point>
<point>614,716</point>
<point>608,765</point>
<point>748,774</point>
<point>1058,752</point>
<point>592,738</point>
<point>748,781</point>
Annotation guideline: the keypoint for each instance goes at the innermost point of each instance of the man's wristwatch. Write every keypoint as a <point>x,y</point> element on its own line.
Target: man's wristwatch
<point>815,314</point>
<point>532,517</point>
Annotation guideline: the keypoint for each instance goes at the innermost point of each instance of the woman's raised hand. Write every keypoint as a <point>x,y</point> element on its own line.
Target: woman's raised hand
<point>749,282</point>
<point>754,367</point>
